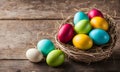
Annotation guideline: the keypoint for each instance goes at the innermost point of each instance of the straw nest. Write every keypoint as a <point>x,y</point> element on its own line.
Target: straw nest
<point>96,53</point>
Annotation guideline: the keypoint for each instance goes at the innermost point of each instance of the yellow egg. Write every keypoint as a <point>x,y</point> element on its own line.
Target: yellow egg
<point>82,41</point>
<point>99,22</point>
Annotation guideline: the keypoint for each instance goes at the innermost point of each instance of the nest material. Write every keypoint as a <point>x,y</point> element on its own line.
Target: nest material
<point>96,53</point>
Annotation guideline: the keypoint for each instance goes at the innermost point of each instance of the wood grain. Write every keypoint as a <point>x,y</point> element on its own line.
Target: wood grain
<point>24,22</point>
<point>17,36</point>
<point>68,66</point>
<point>53,9</point>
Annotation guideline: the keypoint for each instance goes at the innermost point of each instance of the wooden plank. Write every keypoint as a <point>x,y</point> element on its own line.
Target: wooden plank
<point>68,66</point>
<point>16,36</point>
<point>118,35</point>
<point>53,9</point>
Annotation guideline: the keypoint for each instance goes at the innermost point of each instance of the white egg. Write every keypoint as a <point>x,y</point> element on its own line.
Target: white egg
<point>34,55</point>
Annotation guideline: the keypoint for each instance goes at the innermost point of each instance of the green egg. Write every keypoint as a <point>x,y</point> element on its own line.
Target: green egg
<point>55,58</point>
<point>83,27</point>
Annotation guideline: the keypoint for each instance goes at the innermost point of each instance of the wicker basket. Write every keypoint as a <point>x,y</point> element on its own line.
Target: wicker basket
<point>96,53</point>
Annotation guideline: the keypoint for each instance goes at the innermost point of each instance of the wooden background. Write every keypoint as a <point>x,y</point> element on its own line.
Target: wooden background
<point>24,22</point>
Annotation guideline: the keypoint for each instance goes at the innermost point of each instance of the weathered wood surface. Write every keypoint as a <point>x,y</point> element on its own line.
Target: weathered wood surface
<point>53,9</point>
<point>16,36</point>
<point>24,22</point>
<point>69,66</point>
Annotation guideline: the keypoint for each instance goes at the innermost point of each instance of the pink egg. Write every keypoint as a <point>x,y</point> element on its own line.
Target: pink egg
<point>94,12</point>
<point>66,33</point>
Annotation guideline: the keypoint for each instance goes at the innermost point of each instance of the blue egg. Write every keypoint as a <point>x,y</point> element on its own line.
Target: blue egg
<point>99,36</point>
<point>80,16</point>
<point>45,46</point>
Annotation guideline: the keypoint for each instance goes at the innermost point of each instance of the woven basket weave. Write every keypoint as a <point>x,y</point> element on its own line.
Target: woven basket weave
<point>96,53</point>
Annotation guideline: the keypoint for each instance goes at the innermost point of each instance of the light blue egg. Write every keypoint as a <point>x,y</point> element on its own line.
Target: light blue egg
<point>45,46</point>
<point>80,16</point>
<point>99,36</point>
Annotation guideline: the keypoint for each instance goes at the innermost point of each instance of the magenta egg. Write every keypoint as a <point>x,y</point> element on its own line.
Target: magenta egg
<point>66,33</point>
<point>93,13</point>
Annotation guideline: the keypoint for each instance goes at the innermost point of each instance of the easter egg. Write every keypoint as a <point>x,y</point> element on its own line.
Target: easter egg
<point>99,22</point>
<point>66,33</point>
<point>79,16</point>
<point>82,41</point>
<point>55,58</point>
<point>45,46</point>
<point>34,55</point>
<point>93,13</point>
<point>83,27</point>
<point>99,36</point>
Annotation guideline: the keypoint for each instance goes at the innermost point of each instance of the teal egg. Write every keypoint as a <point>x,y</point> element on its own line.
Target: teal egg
<point>80,16</point>
<point>99,36</point>
<point>45,46</point>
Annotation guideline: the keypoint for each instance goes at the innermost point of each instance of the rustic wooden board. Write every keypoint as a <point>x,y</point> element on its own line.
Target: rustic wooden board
<point>68,66</point>
<point>53,9</point>
<point>24,22</point>
<point>17,36</point>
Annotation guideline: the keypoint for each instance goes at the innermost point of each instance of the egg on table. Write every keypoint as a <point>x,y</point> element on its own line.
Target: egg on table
<point>34,55</point>
<point>79,16</point>
<point>55,58</point>
<point>99,36</point>
<point>45,46</point>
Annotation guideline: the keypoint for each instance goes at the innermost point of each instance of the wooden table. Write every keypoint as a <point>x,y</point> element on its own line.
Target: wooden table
<point>24,22</point>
